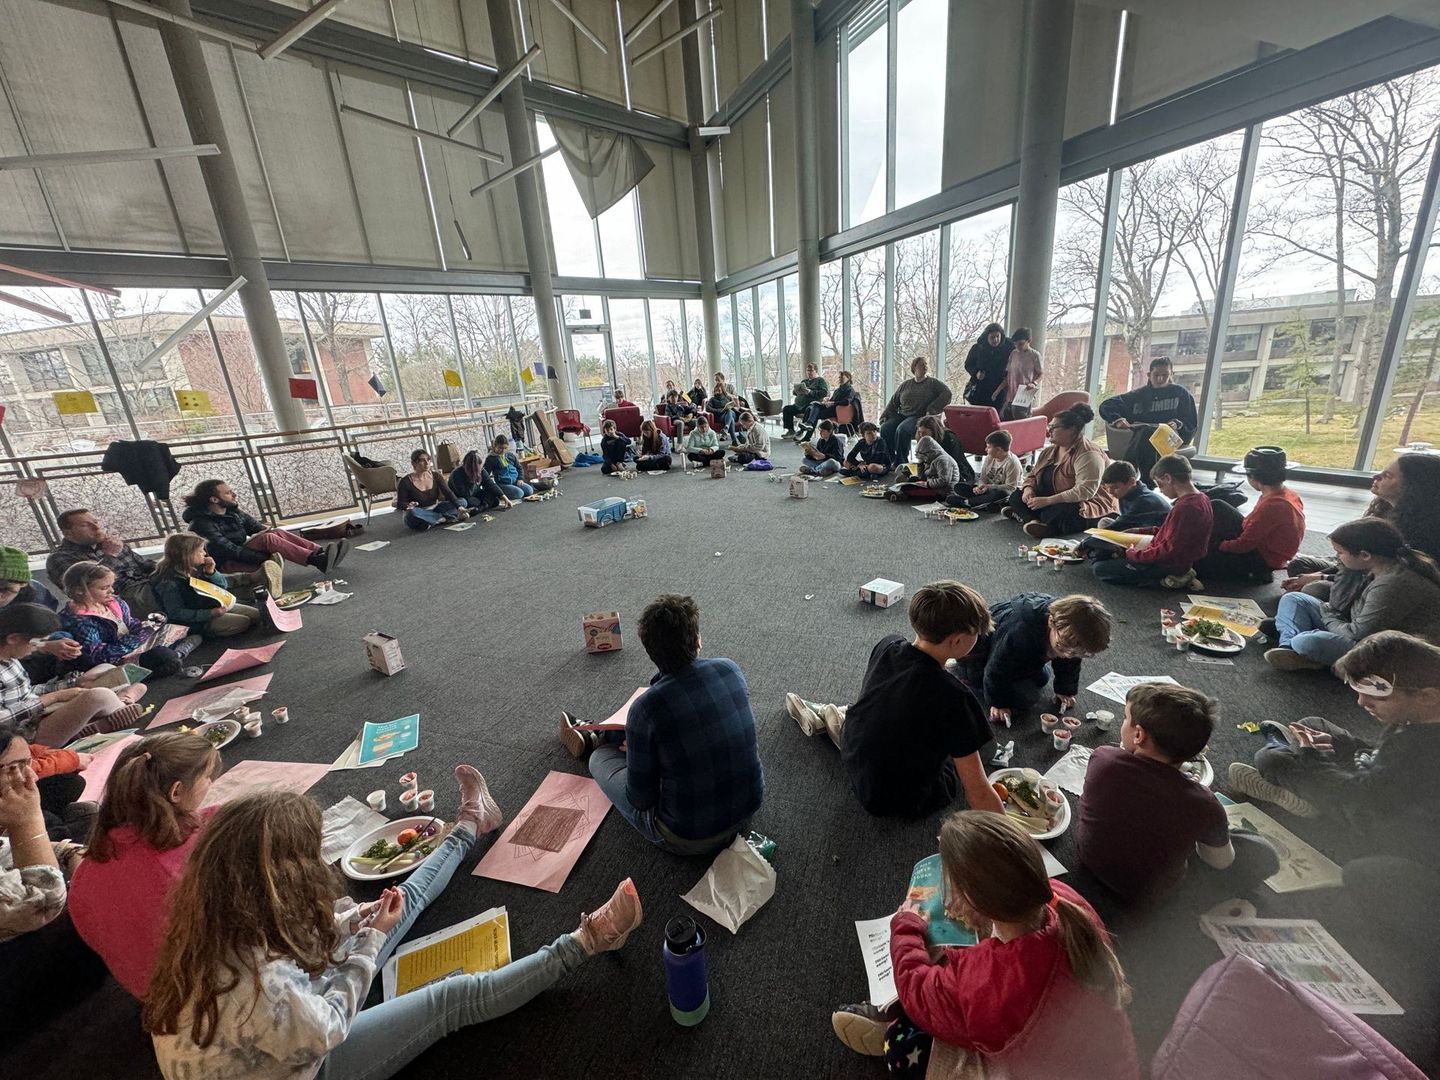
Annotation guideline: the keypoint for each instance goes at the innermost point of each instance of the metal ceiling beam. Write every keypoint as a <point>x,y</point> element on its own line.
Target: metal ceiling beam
<point>494,92</point>
<point>511,173</point>
<point>106,157</point>
<point>182,331</point>
<point>678,36</point>
<point>397,125</point>
<point>38,309</point>
<point>334,40</point>
<point>645,21</point>
<point>205,30</point>
<point>51,279</point>
<point>298,29</point>
<point>585,30</point>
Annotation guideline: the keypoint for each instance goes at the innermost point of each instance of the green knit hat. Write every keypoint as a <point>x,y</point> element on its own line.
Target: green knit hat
<point>14,565</point>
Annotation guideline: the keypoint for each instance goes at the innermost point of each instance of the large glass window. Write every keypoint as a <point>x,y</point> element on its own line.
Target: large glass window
<point>747,325</point>
<point>1336,190</point>
<point>424,350</point>
<point>527,342</point>
<point>790,288</point>
<point>1412,412</point>
<point>632,351</point>
<point>33,365</point>
<point>668,327</point>
<point>487,346</point>
<point>297,351</point>
<point>729,325</point>
<point>864,112</point>
<point>349,337</point>
<point>832,321</point>
<point>978,284</point>
<point>620,240</point>
<point>242,366</point>
<point>917,302</point>
<point>768,374</point>
<point>919,102</point>
<point>867,327</point>
<point>571,229</point>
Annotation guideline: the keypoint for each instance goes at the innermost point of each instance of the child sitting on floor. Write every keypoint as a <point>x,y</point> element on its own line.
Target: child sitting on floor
<point>1386,792</point>
<point>1000,474</point>
<point>1041,995</point>
<point>1035,636</point>
<point>702,445</point>
<point>938,472</point>
<point>869,458</point>
<point>615,450</point>
<point>1141,817</point>
<point>822,457</point>
<point>1140,504</point>
<point>753,442</point>
<point>1176,544</point>
<point>913,736</point>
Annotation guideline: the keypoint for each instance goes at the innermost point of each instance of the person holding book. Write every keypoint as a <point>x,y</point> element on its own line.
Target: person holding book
<point>697,394</point>
<point>1137,503</point>
<point>1166,558</point>
<point>911,741</point>
<point>653,451</point>
<point>51,717</point>
<point>681,413</point>
<point>1035,637</point>
<point>108,634</point>
<point>753,443</point>
<point>1402,592</point>
<point>615,449</point>
<point>869,458</point>
<point>822,457</point>
<point>1062,493</point>
<point>1160,402</point>
<point>148,823</point>
<point>1253,547</point>
<point>1041,994</point>
<point>191,592</point>
<point>1383,793</point>
<point>1142,819</point>
<point>809,390</point>
<point>843,394</point>
<point>685,771</point>
<point>722,405</point>
<point>702,445</point>
<point>1020,391</point>
<point>1000,474</point>
<point>263,973</point>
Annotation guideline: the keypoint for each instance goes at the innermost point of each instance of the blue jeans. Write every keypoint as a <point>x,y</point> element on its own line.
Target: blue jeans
<point>425,517</point>
<point>828,467</point>
<point>517,490</point>
<point>1124,572</point>
<point>898,432</point>
<point>608,767</point>
<point>1302,628</point>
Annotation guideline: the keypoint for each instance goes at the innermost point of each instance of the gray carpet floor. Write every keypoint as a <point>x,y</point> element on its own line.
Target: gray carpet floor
<point>489,622</point>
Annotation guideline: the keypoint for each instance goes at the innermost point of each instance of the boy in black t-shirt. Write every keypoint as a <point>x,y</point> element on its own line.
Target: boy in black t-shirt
<point>914,735</point>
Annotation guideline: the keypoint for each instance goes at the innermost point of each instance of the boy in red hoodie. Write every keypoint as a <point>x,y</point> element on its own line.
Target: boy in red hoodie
<point>1253,547</point>
<point>1178,543</point>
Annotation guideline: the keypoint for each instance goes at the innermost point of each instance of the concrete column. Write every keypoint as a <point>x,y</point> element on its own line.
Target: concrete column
<point>807,179</point>
<point>1048,27</point>
<point>534,226</point>
<point>705,185</point>
<point>227,199</point>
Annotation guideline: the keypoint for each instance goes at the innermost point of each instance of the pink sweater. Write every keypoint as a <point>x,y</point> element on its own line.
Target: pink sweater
<point>121,907</point>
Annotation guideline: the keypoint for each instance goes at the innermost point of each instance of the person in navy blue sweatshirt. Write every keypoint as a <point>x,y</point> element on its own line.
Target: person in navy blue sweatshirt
<point>869,458</point>
<point>1160,401</point>
<point>615,449</point>
<point>1140,504</point>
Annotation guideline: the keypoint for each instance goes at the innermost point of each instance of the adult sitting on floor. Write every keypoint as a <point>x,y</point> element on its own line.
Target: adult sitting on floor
<point>1160,401</point>
<point>1062,493</point>
<point>470,481</point>
<point>688,776</point>
<point>87,540</point>
<point>240,544</point>
<point>808,391</point>
<point>425,497</point>
<point>920,395</point>
<point>1252,547</point>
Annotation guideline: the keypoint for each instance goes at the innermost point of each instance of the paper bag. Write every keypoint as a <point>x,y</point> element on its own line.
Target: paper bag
<point>737,885</point>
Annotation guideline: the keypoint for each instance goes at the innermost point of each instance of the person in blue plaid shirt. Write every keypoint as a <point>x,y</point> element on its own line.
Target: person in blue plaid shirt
<point>686,770</point>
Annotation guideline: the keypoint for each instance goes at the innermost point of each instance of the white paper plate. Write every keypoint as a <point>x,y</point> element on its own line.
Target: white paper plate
<point>1207,771</point>
<point>1070,550</point>
<point>386,832</point>
<point>231,727</point>
<point>1061,823</point>
<point>1228,645</point>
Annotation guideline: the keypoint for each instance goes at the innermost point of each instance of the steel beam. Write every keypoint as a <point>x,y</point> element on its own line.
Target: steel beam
<point>585,30</point>
<point>396,125</point>
<point>106,157</point>
<point>678,36</point>
<point>183,330</point>
<point>494,92</point>
<point>1099,342</point>
<point>645,21</point>
<point>205,30</point>
<point>53,280</point>
<point>514,171</point>
<point>32,306</point>
<point>298,29</point>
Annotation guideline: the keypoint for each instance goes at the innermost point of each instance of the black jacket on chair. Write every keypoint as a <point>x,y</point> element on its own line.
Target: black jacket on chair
<point>146,464</point>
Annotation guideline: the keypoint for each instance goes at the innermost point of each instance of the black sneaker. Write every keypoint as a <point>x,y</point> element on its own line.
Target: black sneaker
<point>1270,629</point>
<point>342,548</point>
<point>576,742</point>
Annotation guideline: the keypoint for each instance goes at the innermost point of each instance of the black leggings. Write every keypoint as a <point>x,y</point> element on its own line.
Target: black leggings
<point>1060,518</point>
<point>704,457</point>
<point>654,463</point>
<point>965,496</point>
<point>161,660</point>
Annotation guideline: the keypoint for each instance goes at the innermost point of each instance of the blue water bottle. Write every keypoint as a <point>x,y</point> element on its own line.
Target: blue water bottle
<point>685,979</point>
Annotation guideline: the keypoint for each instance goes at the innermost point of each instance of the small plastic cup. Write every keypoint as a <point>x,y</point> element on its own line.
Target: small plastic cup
<point>1071,722</point>
<point>253,728</point>
<point>1049,722</point>
<point>409,800</point>
<point>1023,551</point>
<point>427,801</point>
<point>1056,565</point>
<point>376,799</point>
<point>1062,737</point>
<point>1104,719</point>
<point>280,715</point>
<point>410,782</point>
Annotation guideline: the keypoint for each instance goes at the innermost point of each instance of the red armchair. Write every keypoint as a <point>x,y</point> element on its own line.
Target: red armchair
<point>1060,402</point>
<point>628,419</point>
<point>568,420</point>
<point>971,423</point>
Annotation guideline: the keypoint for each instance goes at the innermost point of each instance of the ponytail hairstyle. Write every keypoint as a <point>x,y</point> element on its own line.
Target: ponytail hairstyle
<point>254,889</point>
<point>138,792</point>
<point>81,577</point>
<point>199,499</point>
<point>179,555</point>
<point>1416,513</point>
<point>1378,537</point>
<point>998,868</point>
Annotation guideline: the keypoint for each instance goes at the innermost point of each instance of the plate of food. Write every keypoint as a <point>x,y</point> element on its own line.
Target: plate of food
<point>1207,635</point>
<point>395,848</point>
<point>873,491</point>
<point>293,599</point>
<point>1036,803</point>
<point>960,513</point>
<point>1060,550</point>
<point>1200,770</point>
<point>218,733</point>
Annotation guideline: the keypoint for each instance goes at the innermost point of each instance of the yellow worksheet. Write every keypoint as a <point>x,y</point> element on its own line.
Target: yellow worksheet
<point>476,945</point>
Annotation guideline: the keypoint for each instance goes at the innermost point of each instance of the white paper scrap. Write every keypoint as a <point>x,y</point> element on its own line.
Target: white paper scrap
<point>344,823</point>
<point>330,596</point>
<point>1069,771</point>
<point>1115,686</point>
<point>874,935</point>
<point>373,545</point>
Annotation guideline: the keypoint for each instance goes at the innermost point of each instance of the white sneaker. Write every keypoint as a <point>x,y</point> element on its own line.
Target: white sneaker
<point>804,713</point>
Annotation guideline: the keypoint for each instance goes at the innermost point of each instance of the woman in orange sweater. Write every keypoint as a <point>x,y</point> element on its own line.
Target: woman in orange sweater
<point>1253,547</point>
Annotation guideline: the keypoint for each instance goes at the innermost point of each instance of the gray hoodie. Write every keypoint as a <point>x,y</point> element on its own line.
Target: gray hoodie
<point>938,469</point>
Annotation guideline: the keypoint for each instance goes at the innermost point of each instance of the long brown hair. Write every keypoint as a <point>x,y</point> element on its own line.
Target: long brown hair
<point>138,792</point>
<point>254,889</point>
<point>649,438</point>
<point>178,556</point>
<point>1378,537</point>
<point>1001,872</point>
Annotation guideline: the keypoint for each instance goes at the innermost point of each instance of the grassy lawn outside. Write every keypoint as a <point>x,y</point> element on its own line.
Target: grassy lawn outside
<point>1331,445</point>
